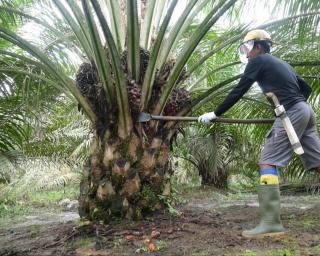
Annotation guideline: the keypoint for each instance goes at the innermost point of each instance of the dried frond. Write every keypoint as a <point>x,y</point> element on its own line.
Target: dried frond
<point>8,165</point>
<point>46,173</point>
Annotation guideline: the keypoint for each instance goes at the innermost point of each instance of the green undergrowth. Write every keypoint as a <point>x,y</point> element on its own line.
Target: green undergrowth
<point>47,198</point>
<point>276,252</point>
<point>187,191</point>
<point>15,203</point>
<point>292,246</point>
<point>81,242</point>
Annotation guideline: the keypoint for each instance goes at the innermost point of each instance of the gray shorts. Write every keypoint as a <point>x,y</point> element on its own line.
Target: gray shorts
<point>277,150</point>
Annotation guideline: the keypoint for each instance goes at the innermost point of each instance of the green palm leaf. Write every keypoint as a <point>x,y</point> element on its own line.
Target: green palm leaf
<point>146,31</point>
<point>151,70</point>
<point>189,48</point>
<point>116,23</point>
<point>125,122</point>
<point>15,39</point>
<point>133,40</point>
<point>101,62</point>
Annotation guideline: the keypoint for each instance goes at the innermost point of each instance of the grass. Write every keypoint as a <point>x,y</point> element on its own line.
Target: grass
<point>200,253</point>
<point>11,209</point>
<point>14,204</point>
<point>282,252</point>
<point>278,252</point>
<point>204,192</point>
<point>316,250</point>
<point>303,222</point>
<point>81,242</point>
<point>48,197</point>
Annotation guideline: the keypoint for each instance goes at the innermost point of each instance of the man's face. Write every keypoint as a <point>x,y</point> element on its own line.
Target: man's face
<point>249,49</point>
<point>255,51</point>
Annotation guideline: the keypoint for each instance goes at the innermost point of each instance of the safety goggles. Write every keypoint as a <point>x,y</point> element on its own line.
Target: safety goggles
<point>244,49</point>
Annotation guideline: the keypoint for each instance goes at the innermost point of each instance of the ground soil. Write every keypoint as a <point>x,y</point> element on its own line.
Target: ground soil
<point>208,224</point>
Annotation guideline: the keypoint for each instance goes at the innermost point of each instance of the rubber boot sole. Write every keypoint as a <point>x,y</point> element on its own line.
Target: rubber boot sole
<point>259,236</point>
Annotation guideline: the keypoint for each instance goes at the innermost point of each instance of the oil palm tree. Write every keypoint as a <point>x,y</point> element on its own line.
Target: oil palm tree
<point>127,67</point>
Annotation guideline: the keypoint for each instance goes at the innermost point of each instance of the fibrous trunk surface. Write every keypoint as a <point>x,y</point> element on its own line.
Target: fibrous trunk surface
<point>126,177</point>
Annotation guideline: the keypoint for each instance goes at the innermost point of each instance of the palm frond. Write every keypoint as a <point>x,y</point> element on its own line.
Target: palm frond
<point>117,24</point>
<point>187,23</point>
<point>151,70</point>
<point>173,37</point>
<point>205,97</point>
<point>66,81</point>
<point>102,65</point>
<point>12,132</point>
<point>45,173</point>
<point>125,121</point>
<point>210,73</point>
<point>9,12</point>
<point>146,30</point>
<point>133,40</point>
<point>208,22</point>
<point>161,6</point>
<point>8,165</point>
<point>80,28</point>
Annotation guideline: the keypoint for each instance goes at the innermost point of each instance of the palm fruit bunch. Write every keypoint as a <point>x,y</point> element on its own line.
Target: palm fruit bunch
<point>134,88</point>
<point>86,78</point>
<point>88,83</point>
<point>134,94</point>
<point>163,75</point>
<point>178,99</point>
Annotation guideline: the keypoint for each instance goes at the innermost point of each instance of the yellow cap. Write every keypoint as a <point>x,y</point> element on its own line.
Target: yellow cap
<point>257,34</point>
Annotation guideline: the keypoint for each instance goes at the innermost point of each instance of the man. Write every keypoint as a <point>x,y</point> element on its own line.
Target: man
<point>277,76</point>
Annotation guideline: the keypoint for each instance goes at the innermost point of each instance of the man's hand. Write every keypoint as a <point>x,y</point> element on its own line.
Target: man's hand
<point>207,117</point>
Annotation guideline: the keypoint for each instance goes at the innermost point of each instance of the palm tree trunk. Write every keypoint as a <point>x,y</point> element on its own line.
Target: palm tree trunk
<point>124,178</point>
<point>216,178</point>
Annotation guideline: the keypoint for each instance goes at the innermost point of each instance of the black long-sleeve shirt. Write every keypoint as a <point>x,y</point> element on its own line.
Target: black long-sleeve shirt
<point>235,95</point>
<point>273,75</point>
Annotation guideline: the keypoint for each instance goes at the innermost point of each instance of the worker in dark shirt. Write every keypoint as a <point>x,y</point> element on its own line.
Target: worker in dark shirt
<point>277,76</point>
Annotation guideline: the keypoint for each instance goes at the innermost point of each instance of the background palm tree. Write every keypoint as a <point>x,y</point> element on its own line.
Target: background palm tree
<point>147,64</point>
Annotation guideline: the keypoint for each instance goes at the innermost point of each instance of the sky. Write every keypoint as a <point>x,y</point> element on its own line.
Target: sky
<point>256,15</point>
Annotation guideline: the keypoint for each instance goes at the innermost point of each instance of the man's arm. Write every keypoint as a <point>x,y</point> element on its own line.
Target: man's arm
<point>235,94</point>
<point>250,75</point>
<point>305,88</point>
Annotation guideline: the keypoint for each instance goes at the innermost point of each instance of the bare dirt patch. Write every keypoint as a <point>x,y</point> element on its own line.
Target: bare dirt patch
<point>206,226</point>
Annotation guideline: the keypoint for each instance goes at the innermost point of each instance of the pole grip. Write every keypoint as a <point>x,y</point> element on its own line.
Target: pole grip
<point>274,98</point>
